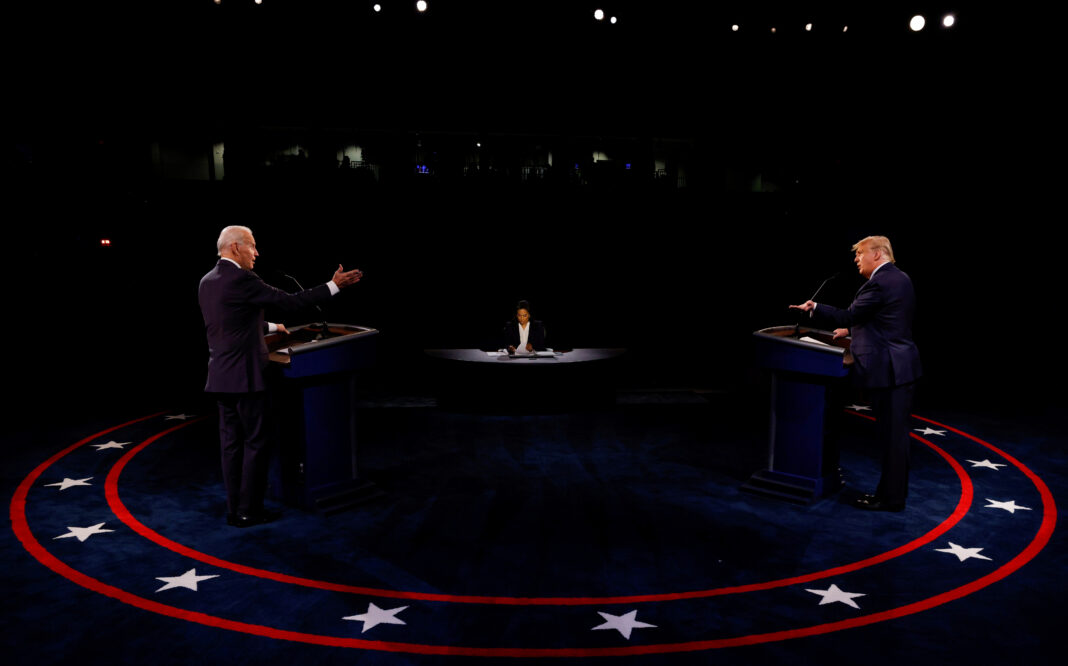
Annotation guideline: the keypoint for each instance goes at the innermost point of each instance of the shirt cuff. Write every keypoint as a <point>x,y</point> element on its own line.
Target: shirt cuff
<point>333,288</point>
<point>272,328</point>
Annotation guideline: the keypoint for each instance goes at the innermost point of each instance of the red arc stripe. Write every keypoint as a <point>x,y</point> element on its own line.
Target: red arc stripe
<point>30,543</point>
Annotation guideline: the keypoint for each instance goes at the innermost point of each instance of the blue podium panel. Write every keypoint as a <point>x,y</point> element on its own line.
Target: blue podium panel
<point>803,362</point>
<point>316,466</point>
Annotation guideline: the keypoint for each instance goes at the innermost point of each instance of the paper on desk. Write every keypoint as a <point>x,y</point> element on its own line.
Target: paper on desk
<point>814,340</point>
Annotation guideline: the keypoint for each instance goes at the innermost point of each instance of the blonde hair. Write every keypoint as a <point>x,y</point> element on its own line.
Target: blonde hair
<point>881,243</point>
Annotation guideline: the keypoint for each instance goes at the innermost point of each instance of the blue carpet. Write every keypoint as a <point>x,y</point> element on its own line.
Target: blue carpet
<point>637,505</point>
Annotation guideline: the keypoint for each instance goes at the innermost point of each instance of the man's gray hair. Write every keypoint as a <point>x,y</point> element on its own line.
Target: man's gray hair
<point>232,234</point>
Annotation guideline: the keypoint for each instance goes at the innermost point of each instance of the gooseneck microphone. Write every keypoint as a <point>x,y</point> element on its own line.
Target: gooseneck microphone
<point>322,327</point>
<point>823,285</point>
<point>797,326</point>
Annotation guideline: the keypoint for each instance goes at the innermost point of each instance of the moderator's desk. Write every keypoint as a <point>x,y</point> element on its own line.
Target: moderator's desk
<point>592,355</point>
<point>471,377</point>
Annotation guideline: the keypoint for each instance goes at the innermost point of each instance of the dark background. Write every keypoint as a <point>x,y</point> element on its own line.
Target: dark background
<point>779,152</point>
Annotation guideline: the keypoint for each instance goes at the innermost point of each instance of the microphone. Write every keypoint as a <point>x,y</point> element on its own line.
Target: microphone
<point>797,326</point>
<point>823,285</point>
<point>323,330</point>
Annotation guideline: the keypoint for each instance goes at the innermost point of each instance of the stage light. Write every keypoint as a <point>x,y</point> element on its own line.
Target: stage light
<point>845,28</point>
<point>218,2</point>
<point>421,5</point>
<point>773,30</point>
<point>613,20</point>
<point>808,27</point>
<point>598,14</point>
<point>106,242</point>
<point>377,8</point>
<point>734,28</point>
<point>917,23</point>
<point>949,20</point>
<point>259,2</point>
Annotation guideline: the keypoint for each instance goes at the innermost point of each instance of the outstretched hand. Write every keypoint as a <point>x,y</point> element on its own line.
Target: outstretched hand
<point>343,278</point>
<point>807,306</point>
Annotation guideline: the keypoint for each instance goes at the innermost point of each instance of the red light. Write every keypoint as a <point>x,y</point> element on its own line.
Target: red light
<point>105,242</point>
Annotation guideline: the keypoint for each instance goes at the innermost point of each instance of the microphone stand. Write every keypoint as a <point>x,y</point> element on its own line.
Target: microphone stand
<point>323,331</point>
<point>797,326</point>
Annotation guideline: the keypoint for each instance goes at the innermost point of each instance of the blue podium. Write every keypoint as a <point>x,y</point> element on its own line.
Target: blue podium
<point>316,466</point>
<point>803,362</point>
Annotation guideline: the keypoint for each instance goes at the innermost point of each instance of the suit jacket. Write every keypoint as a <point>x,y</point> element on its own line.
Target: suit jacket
<point>536,337</point>
<point>232,301</point>
<point>880,323</point>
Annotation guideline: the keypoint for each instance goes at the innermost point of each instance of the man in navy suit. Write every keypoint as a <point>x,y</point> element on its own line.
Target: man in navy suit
<point>886,362</point>
<point>232,299</point>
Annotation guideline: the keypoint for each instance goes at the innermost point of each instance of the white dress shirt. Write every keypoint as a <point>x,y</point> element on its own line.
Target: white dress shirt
<point>524,333</point>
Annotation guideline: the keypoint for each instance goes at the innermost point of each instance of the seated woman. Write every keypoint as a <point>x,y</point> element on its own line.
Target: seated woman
<point>522,334</point>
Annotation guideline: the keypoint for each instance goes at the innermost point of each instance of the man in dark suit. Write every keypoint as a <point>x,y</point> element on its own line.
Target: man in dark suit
<point>886,362</point>
<point>232,299</point>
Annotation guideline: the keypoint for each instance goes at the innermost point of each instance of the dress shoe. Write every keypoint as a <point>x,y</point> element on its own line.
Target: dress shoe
<point>872,503</point>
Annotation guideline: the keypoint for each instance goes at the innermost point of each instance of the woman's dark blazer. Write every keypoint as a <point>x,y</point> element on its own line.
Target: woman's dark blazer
<point>510,335</point>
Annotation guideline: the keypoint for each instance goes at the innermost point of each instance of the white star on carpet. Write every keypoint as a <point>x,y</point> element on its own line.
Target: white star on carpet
<point>963,553</point>
<point>187,580</point>
<point>624,624</point>
<point>833,594</point>
<point>1009,506</point>
<point>987,463</point>
<point>83,533</point>
<point>70,483</point>
<point>930,431</point>
<point>859,408</point>
<point>111,445</point>
<point>178,417</point>
<point>376,616</point>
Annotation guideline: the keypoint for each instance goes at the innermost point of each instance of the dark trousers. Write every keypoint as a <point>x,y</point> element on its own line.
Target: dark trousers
<point>892,408</point>
<point>243,439</point>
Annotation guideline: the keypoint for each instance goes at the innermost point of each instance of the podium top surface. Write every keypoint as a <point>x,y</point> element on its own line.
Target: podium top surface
<point>310,338</point>
<point>818,340</point>
<point>803,351</point>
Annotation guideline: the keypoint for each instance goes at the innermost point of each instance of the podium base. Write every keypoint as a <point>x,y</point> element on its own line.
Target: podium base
<point>344,496</point>
<point>791,488</point>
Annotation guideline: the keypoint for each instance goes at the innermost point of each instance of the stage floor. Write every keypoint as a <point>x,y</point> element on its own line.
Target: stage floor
<point>612,532</point>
